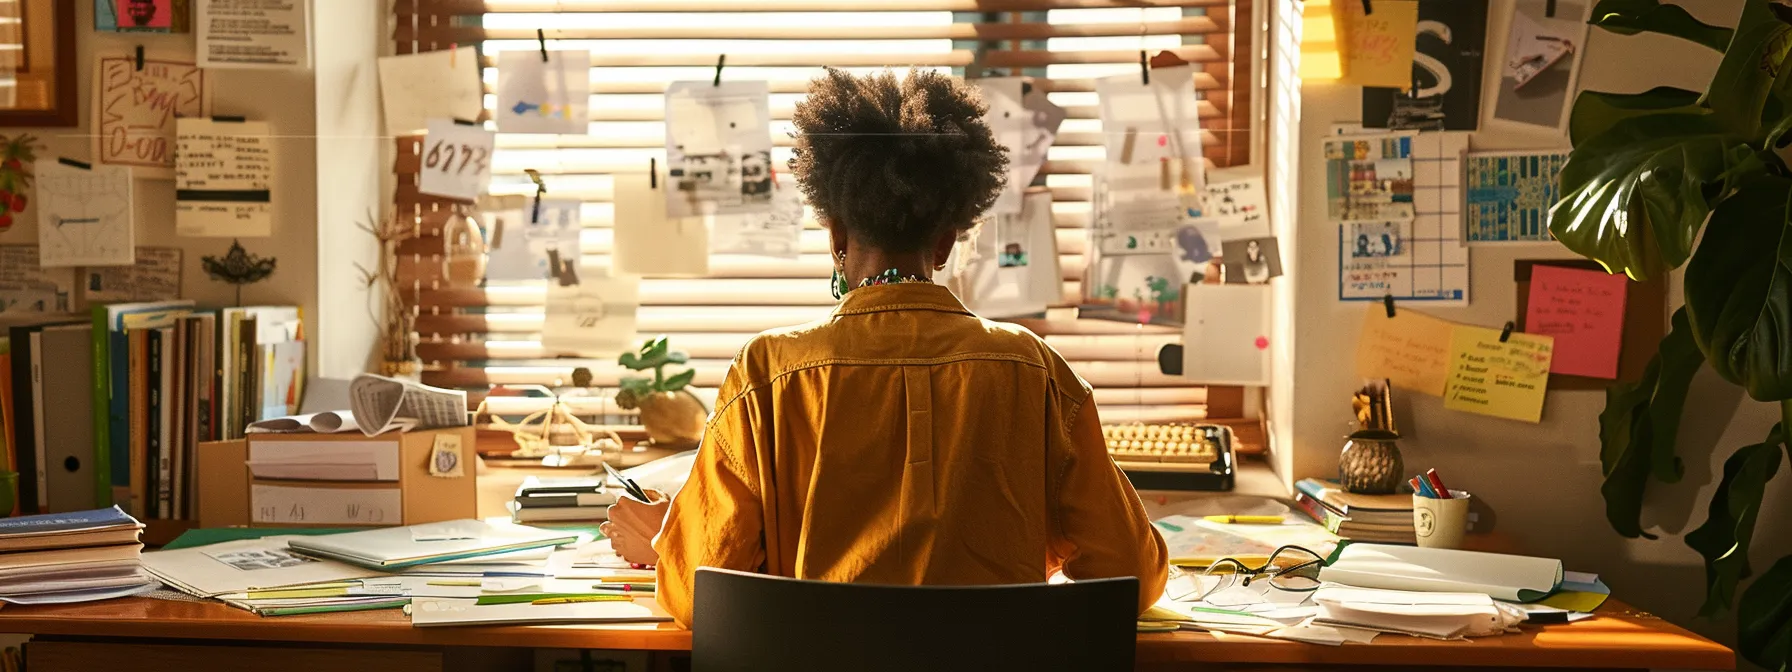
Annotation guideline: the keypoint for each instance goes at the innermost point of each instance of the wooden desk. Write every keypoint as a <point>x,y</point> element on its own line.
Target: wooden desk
<point>144,635</point>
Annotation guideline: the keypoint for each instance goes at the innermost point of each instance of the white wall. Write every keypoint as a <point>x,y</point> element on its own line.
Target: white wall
<point>349,180</point>
<point>1542,481</point>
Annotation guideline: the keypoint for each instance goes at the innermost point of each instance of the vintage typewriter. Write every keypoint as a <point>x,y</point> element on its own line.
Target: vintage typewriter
<point>1172,457</point>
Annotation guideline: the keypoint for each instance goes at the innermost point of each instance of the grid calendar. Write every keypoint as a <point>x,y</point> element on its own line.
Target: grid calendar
<point>1432,265</point>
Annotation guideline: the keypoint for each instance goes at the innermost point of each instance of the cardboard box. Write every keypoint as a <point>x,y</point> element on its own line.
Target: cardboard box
<point>231,494</point>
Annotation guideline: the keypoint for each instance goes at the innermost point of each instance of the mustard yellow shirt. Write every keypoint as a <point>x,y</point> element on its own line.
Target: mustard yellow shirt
<point>902,440</point>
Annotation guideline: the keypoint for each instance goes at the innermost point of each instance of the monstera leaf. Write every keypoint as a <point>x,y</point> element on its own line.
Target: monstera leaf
<point>1624,437</point>
<point>1634,196</point>
<point>1737,290</point>
<point>1764,618</point>
<point>1679,359</point>
<point>1629,17</point>
<point>1730,524</point>
<point>1596,111</point>
<point>1739,92</point>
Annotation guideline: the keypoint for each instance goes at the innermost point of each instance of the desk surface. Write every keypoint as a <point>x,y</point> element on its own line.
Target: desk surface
<point>1620,637</point>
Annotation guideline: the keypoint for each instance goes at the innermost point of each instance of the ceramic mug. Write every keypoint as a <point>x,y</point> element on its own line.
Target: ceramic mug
<point>1441,523</point>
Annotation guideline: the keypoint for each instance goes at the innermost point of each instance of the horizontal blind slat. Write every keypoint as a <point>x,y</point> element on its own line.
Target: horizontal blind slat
<point>470,7</point>
<point>1214,27</point>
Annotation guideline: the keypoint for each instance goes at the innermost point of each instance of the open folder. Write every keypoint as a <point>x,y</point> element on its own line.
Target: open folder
<point>1513,578</point>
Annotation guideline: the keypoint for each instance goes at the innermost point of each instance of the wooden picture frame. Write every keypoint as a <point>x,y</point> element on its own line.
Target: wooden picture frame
<point>44,75</point>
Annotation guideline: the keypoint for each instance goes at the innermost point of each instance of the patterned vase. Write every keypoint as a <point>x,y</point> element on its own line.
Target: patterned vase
<point>1370,463</point>
<point>673,419</point>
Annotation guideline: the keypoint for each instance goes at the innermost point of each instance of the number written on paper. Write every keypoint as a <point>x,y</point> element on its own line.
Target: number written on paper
<point>456,160</point>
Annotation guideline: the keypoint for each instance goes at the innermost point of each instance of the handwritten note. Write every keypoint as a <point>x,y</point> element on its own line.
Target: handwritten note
<point>325,506</point>
<point>1505,380</point>
<point>1411,350</point>
<point>1240,206</point>
<point>26,287</point>
<point>223,179</point>
<point>155,277</point>
<point>135,111</point>
<point>415,88</point>
<point>1379,46</point>
<point>457,160</point>
<point>1584,310</point>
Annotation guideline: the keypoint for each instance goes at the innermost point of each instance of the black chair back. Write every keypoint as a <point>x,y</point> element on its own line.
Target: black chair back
<point>751,622</point>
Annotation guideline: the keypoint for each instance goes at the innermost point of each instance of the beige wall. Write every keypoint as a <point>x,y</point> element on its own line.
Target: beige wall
<point>284,98</point>
<point>1541,480</point>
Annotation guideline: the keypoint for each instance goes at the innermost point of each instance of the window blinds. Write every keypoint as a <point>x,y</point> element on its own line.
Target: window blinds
<point>476,338</point>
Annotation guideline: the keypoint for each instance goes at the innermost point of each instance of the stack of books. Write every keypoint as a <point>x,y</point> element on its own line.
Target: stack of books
<point>1376,518</point>
<point>576,500</point>
<point>72,557</point>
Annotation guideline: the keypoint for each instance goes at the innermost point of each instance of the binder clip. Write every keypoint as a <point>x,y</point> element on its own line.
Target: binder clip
<point>1368,8</point>
<point>1549,8</point>
<point>1144,68</point>
<point>465,122</point>
<point>653,173</point>
<point>139,58</point>
<point>541,40</point>
<point>540,188</point>
<point>1388,301</point>
<point>228,119</point>
<point>1506,333</point>
<point>721,59</point>
<point>83,165</point>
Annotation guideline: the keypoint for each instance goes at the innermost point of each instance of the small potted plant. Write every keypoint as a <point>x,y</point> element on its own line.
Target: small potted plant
<point>671,414</point>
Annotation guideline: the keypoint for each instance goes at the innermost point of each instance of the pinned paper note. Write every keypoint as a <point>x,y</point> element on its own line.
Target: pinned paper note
<point>1007,118</point>
<point>433,84</point>
<point>595,318</point>
<point>135,108</point>
<point>537,95</point>
<point>525,241</point>
<point>1411,350</point>
<point>1239,205</point>
<point>84,216</point>
<point>457,160</point>
<point>647,242</point>
<point>1379,46</point>
<point>27,287</point>
<point>444,456</point>
<point>223,179</point>
<point>155,277</point>
<point>1225,340</point>
<point>1502,379</point>
<point>1584,311</point>
<point>774,233</point>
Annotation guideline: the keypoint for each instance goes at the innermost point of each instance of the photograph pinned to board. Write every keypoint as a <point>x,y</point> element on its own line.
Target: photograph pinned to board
<point>1141,288</point>
<point>1253,261</point>
<point>1014,270</point>
<point>1380,47</point>
<point>223,180</point>
<point>1008,118</point>
<point>776,233</point>
<point>254,34</point>
<point>1198,248</point>
<point>1540,62</point>
<point>142,16</point>
<point>1374,239</point>
<point>155,277</point>
<point>718,148</point>
<point>544,97</point>
<point>1155,125</point>
<point>649,243</point>
<point>135,111</point>
<point>1445,94</point>
<point>84,215</point>
<point>415,88</point>
<point>27,287</point>
<point>1235,197</point>
<point>1132,273</point>
<point>1045,118</point>
<point>1369,177</point>
<point>457,160</point>
<point>1509,194</point>
<point>1226,338</point>
<point>595,318</point>
<point>531,245</point>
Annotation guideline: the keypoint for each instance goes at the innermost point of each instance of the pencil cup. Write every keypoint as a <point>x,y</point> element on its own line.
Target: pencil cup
<point>1440,523</point>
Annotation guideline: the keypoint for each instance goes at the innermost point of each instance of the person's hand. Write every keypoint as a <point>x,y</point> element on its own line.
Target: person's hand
<point>633,526</point>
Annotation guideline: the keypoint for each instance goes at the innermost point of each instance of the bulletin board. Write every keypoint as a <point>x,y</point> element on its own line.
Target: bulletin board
<point>1645,322</point>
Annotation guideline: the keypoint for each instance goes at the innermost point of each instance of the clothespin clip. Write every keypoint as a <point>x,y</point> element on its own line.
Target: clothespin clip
<point>465,122</point>
<point>723,58</point>
<point>1388,301</point>
<point>653,173</point>
<point>1144,68</point>
<point>139,58</point>
<point>453,55</point>
<point>1368,8</point>
<point>540,188</point>
<point>83,165</point>
<point>541,39</point>
<point>1549,8</point>
<point>228,119</point>
<point>1506,333</point>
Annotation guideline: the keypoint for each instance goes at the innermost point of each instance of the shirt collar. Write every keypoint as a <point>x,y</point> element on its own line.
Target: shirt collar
<point>899,296</point>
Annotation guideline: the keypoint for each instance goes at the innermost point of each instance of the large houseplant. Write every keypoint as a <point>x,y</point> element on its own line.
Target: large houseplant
<point>1647,172</point>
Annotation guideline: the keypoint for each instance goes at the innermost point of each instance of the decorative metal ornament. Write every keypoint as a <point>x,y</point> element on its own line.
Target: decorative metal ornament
<point>238,267</point>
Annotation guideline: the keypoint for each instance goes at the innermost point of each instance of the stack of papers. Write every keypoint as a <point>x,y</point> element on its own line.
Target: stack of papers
<point>239,567</point>
<point>1429,615</point>
<point>432,612</point>
<point>71,557</point>
<point>1513,578</point>
<point>395,548</point>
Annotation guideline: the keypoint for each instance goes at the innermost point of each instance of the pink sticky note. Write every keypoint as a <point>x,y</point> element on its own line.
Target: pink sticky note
<point>1584,311</point>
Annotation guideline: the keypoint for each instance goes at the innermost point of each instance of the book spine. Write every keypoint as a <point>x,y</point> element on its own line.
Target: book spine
<point>168,414</point>
<point>37,414</point>
<point>23,424</point>
<point>1327,518</point>
<point>102,409</point>
<point>245,370</point>
<point>139,426</point>
<point>153,423</point>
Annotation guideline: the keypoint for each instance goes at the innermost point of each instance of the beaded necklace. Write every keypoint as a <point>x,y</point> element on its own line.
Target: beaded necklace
<point>892,277</point>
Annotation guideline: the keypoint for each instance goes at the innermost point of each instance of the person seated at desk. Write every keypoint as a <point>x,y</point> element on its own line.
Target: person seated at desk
<point>901,440</point>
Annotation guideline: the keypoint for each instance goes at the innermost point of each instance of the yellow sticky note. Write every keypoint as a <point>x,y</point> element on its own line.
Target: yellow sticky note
<point>1501,379</point>
<point>1378,47</point>
<point>1411,350</point>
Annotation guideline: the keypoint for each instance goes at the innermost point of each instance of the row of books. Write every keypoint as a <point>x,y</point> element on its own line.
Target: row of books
<point>574,501</point>
<point>109,408</point>
<point>72,557</point>
<point>1372,518</point>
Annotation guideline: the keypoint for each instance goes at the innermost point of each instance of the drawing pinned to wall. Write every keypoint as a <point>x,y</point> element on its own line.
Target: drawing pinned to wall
<point>544,97</point>
<point>154,277</point>
<point>1133,272</point>
<point>1007,118</point>
<point>1432,265</point>
<point>1235,197</point>
<point>1253,261</point>
<point>1198,249</point>
<point>1374,239</point>
<point>1045,118</point>
<point>1540,62</point>
<point>1509,195</point>
<point>531,247</point>
<point>1445,94</point>
<point>141,16</point>
<point>595,318</point>
<point>27,287</point>
<point>415,88</point>
<point>718,148</point>
<point>1155,125</point>
<point>17,154</point>
<point>135,111</point>
<point>1014,271</point>
<point>1369,177</point>
<point>776,233</point>
<point>223,181</point>
<point>84,216</point>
